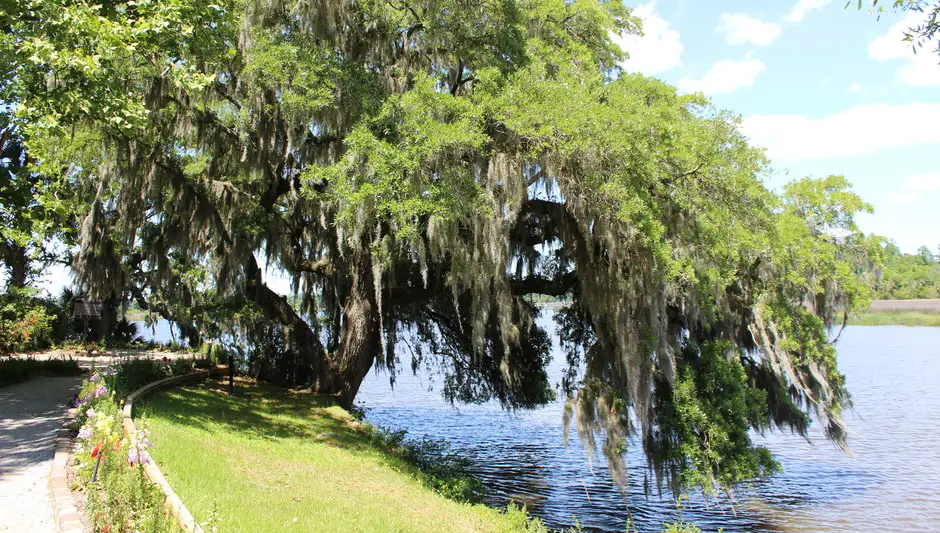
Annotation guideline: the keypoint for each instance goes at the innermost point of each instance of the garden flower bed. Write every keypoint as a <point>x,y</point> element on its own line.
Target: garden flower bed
<point>109,468</point>
<point>108,465</point>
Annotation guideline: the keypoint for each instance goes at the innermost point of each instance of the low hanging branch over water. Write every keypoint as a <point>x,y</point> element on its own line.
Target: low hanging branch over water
<point>417,170</point>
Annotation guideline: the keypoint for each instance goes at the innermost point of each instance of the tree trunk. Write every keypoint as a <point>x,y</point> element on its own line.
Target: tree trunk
<point>17,260</point>
<point>339,373</point>
<point>361,337</point>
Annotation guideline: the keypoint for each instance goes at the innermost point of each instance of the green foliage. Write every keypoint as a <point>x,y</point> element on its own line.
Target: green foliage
<point>125,333</point>
<point>923,32</point>
<point>681,526</point>
<point>134,374</point>
<point>424,168</point>
<point>36,210</point>
<point>15,370</point>
<point>26,322</point>
<point>896,318</point>
<point>908,276</point>
<point>699,433</point>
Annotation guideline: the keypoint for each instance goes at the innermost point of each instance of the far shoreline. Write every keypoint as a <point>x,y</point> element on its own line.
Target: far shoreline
<point>916,313</point>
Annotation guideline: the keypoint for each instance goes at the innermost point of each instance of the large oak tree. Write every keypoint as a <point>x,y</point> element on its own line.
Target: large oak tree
<point>417,168</point>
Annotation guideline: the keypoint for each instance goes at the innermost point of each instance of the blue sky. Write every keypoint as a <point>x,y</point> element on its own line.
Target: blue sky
<point>825,89</point>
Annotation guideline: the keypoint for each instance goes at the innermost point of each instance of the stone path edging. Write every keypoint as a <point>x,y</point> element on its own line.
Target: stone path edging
<point>65,512</point>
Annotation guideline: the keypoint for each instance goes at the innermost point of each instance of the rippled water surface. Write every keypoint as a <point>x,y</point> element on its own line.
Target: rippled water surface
<point>889,484</point>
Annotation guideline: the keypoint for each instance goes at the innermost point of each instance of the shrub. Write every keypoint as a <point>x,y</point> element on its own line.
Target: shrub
<point>25,322</point>
<point>15,370</point>
<point>125,333</point>
<point>136,373</point>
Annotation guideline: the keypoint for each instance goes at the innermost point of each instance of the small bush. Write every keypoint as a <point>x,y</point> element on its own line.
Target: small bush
<point>25,322</point>
<point>16,370</point>
<point>136,373</point>
<point>125,333</point>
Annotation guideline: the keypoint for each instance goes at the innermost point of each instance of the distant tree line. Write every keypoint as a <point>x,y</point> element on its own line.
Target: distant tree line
<point>908,276</point>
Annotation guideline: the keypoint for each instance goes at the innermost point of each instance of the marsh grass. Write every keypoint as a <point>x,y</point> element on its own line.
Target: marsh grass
<point>896,318</point>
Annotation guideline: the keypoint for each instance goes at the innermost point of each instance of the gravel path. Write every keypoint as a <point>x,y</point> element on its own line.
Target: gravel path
<point>30,414</point>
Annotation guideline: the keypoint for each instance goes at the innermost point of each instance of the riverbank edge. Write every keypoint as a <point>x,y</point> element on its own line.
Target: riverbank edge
<point>513,518</point>
<point>901,317</point>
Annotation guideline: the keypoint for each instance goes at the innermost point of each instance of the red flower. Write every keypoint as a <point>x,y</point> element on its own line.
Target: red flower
<point>117,446</point>
<point>96,451</point>
<point>107,527</point>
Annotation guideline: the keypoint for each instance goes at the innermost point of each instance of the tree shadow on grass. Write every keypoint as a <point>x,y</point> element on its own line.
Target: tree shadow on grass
<point>264,412</point>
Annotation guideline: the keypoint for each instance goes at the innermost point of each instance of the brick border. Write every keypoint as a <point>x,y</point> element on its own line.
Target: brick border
<point>65,512</point>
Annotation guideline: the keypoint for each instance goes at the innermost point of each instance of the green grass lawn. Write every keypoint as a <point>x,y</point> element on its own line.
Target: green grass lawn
<point>896,318</point>
<point>270,460</point>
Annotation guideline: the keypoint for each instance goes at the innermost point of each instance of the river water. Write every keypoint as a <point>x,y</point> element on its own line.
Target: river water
<point>889,484</point>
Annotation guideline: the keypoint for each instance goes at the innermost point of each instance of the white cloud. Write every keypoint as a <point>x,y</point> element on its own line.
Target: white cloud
<point>902,198</point>
<point>857,131</point>
<point>926,182</point>
<point>724,77</point>
<point>740,28</point>
<point>802,8</point>
<point>856,88</point>
<point>658,50</point>
<point>914,187</point>
<point>921,69</point>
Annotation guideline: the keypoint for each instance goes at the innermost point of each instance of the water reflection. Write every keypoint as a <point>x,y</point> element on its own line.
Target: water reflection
<point>887,485</point>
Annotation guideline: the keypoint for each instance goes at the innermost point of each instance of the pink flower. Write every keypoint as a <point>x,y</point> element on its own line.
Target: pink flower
<point>136,457</point>
<point>101,391</point>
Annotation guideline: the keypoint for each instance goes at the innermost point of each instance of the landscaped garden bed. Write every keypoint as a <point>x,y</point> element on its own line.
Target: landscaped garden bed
<point>107,463</point>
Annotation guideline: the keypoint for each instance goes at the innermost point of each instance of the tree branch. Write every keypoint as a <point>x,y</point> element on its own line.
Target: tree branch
<point>557,286</point>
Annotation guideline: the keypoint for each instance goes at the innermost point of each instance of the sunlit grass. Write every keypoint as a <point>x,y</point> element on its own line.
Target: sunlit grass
<point>896,318</point>
<point>269,460</point>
